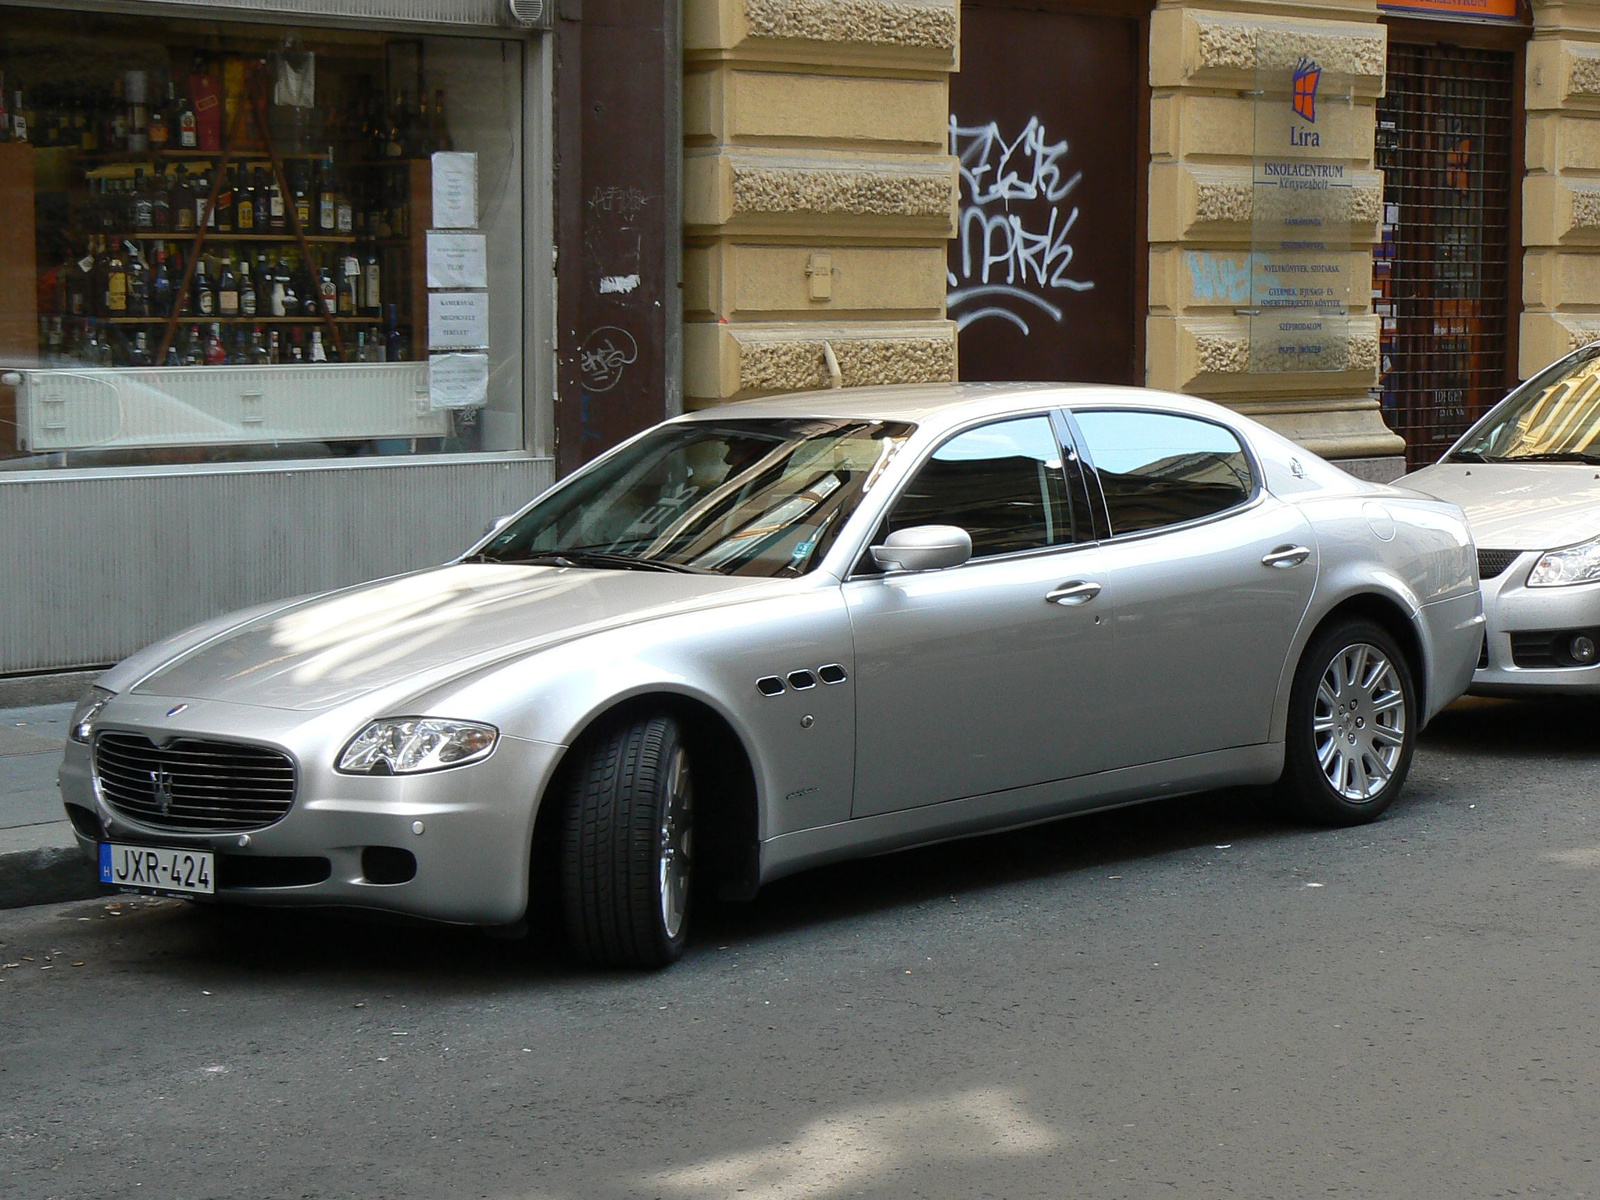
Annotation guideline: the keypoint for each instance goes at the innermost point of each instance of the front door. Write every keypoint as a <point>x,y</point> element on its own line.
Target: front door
<point>972,679</point>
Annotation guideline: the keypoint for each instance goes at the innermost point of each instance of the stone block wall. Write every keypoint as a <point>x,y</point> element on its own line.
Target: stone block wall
<point>1561,194</point>
<point>819,195</point>
<point>1203,70</point>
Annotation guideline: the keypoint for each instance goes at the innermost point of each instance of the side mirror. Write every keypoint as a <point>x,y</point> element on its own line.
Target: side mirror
<point>496,525</point>
<point>924,548</point>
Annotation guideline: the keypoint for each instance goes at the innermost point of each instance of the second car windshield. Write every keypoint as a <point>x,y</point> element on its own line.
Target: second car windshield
<point>1554,417</point>
<point>734,497</point>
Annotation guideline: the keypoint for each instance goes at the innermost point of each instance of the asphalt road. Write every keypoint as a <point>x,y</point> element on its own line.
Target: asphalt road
<point>1188,999</point>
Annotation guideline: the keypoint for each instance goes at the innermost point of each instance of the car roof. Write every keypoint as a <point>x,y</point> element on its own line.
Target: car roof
<point>941,404</point>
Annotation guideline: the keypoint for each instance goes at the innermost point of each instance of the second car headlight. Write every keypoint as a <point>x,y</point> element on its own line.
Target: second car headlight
<point>81,727</point>
<point>407,745</point>
<point>1572,564</point>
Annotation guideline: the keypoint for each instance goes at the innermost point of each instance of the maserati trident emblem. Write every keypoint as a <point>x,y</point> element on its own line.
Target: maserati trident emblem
<point>161,790</point>
<point>176,709</point>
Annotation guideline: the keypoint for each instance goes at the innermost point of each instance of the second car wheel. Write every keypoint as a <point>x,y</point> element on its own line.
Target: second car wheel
<point>1352,725</point>
<point>627,845</point>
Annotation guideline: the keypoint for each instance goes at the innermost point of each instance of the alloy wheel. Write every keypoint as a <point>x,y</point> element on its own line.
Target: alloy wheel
<point>1359,722</point>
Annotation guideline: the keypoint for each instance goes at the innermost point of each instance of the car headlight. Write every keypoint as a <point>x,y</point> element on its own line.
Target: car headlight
<point>83,717</point>
<point>407,745</point>
<point>1574,564</point>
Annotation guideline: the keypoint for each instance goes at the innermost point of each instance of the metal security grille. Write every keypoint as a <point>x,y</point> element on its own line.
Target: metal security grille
<point>1442,271</point>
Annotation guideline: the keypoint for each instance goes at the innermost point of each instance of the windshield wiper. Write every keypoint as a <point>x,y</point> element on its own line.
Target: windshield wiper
<point>1568,456</point>
<point>1468,456</point>
<point>590,558</point>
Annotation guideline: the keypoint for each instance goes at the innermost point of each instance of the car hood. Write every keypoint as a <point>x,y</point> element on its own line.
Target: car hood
<point>1519,506</point>
<point>428,627</point>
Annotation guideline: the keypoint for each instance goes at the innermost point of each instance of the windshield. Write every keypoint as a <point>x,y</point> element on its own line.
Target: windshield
<point>733,497</point>
<point>1554,417</point>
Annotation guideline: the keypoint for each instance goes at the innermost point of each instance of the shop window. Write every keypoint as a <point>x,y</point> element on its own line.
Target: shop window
<point>220,242</point>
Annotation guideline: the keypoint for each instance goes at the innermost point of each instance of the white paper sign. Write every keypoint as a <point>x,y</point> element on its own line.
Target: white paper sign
<point>455,190</point>
<point>458,320</point>
<point>458,260</point>
<point>458,380</point>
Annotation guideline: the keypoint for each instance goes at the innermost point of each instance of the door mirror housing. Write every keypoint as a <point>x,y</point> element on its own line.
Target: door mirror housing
<point>924,548</point>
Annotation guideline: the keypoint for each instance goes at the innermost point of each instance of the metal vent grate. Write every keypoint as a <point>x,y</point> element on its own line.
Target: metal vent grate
<point>194,785</point>
<point>1493,563</point>
<point>1441,273</point>
<point>533,14</point>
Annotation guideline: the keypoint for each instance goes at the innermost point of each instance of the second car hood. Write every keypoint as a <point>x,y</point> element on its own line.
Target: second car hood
<point>328,649</point>
<point>1518,506</point>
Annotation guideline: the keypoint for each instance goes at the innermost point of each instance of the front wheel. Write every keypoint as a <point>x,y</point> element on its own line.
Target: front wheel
<point>626,861</point>
<point>1352,726</point>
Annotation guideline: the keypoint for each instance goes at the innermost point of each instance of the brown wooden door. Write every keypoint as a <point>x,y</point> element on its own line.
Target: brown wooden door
<point>1045,271</point>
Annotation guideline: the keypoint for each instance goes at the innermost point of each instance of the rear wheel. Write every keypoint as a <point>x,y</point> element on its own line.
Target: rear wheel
<point>1352,726</point>
<point>627,844</point>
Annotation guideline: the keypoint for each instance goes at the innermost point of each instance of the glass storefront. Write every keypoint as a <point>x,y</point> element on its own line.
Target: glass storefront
<point>229,242</point>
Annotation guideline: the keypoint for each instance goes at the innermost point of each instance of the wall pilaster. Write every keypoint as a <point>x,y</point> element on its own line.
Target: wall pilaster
<point>1561,193</point>
<point>819,196</point>
<point>1203,70</point>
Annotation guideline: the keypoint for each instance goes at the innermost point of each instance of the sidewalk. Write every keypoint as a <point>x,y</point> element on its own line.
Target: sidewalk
<point>39,859</point>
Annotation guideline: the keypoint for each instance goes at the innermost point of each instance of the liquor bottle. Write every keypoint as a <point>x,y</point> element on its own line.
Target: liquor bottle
<point>344,213</point>
<point>275,219</point>
<point>248,299</point>
<point>183,201</point>
<point>244,206</point>
<point>257,354</point>
<point>274,349</point>
<point>329,291</point>
<point>161,203</point>
<point>394,145</point>
<point>194,353</point>
<point>139,356</point>
<point>19,117</point>
<point>349,285</point>
<point>297,348</point>
<point>421,128</point>
<point>77,287</point>
<point>117,122</point>
<point>89,129</point>
<point>302,202</point>
<point>161,284</point>
<point>278,293</point>
<point>138,282</point>
<point>392,349</point>
<point>215,354</point>
<point>227,290</point>
<point>371,285</point>
<point>205,297</point>
<point>188,126</point>
<point>161,123</point>
<point>99,277</point>
<point>327,204</point>
<point>361,354</point>
<point>318,353</point>
<point>227,193</point>
<point>116,304</point>
<point>240,354</point>
<point>205,216</point>
<point>138,113</point>
<point>144,203</point>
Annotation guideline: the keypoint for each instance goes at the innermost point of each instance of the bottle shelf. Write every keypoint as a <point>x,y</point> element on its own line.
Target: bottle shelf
<point>212,236</point>
<point>196,319</point>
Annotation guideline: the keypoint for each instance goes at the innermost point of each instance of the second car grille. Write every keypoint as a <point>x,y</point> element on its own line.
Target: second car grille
<point>192,784</point>
<point>1494,562</point>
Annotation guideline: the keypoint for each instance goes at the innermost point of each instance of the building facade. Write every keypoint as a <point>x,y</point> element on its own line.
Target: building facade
<point>489,239</point>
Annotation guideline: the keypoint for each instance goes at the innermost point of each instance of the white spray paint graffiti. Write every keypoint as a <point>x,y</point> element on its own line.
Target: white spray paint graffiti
<point>1004,265</point>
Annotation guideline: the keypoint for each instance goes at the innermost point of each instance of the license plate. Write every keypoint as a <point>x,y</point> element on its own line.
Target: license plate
<point>158,869</point>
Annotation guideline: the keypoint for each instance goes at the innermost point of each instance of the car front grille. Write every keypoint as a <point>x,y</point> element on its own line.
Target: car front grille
<point>191,784</point>
<point>1492,563</point>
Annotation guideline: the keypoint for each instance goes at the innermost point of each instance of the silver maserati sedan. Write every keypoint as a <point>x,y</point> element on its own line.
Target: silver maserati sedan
<point>763,637</point>
<point>1528,476</point>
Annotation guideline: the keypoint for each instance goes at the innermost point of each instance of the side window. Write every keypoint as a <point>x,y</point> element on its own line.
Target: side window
<point>1157,469</point>
<point>1002,483</point>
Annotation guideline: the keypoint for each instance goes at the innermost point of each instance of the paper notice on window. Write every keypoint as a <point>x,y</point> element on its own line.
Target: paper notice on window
<point>455,190</point>
<point>458,320</point>
<point>458,381</point>
<point>458,260</point>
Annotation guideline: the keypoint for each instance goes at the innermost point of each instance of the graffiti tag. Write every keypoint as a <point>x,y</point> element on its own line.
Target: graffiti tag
<point>604,355</point>
<point>1004,264</point>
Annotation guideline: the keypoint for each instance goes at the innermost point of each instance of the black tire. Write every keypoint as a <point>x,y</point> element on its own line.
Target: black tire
<point>626,834</point>
<point>1348,744</point>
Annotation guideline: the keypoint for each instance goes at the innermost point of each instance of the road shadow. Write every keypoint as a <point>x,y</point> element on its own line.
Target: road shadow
<point>1565,728</point>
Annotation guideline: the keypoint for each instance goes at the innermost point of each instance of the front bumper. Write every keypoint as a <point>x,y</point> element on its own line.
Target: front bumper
<point>469,828</point>
<point>1514,613</point>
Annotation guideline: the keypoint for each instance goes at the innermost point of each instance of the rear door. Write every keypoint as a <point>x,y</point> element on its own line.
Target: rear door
<point>1209,577</point>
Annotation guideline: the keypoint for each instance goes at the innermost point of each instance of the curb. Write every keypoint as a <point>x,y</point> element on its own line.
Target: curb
<point>51,875</point>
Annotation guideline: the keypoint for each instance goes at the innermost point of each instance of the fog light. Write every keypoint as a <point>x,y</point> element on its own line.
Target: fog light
<point>1582,649</point>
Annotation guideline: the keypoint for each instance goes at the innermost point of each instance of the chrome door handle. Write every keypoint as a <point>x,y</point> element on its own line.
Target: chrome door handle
<point>1285,557</point>
<point>1079,591</point>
